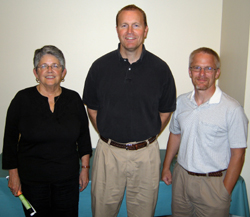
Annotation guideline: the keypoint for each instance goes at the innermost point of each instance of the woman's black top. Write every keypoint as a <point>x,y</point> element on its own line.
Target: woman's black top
<point>45,146</point>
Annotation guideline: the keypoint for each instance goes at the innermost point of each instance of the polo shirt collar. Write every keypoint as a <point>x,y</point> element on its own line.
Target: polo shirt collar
<point>213,100</point>
<point>141,57</point>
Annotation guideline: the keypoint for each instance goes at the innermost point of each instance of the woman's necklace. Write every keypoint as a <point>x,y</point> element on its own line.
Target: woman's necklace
<point>58,98</point>
<point>51,103</point>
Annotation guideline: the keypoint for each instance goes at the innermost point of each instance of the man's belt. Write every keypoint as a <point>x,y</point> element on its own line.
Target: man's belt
<point>213,174</point>
<point>130,146</point>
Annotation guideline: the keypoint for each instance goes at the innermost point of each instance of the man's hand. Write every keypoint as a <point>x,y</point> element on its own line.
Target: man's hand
<point>172,149</point>
<point>234,168</point>
<point>166,176</point>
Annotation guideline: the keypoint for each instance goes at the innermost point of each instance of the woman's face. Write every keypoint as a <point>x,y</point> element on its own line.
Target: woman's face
<point>49,71</point>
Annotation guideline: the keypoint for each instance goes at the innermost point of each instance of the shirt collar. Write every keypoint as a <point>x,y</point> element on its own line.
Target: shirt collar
<point>141,57</point>
<point>213,100</point>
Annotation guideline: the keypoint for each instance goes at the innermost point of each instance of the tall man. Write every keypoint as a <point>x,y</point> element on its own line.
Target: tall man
<point>209,128</point>
<point>130,94</point>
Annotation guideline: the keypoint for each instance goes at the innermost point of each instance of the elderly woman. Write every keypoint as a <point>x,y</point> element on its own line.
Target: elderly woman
<point>46,133</point>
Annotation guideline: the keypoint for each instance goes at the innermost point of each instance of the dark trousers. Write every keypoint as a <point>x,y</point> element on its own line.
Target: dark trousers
<point>54,199</point>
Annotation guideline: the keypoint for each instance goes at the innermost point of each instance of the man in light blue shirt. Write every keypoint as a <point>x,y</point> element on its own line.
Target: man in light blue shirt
<point>209,132</point>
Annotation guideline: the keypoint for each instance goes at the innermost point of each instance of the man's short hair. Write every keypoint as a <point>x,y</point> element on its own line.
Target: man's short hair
<point>207,51</point>
<point>132,8</point>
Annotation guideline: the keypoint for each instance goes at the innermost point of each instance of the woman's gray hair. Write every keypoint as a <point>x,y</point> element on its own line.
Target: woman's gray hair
<point>48,49</point>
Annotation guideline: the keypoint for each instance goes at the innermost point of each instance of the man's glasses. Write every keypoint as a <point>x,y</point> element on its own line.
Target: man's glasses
<point>207,69</point>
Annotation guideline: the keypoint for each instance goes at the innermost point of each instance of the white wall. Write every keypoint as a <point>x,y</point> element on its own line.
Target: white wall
<point>85,30</point>
<point>234,47</point>
<point>235,50</point>
<point>245,172</point>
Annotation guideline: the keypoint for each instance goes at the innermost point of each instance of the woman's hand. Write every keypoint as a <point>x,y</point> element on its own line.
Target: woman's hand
<point>84,178</point>
<point>14,182</point>
<point>84,174</point>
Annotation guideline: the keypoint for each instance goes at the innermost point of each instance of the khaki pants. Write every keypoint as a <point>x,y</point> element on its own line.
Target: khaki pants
<point>198,196</point>
<point>115,169</point>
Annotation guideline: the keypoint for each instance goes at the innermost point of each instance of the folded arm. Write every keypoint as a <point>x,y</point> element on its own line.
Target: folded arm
<point>92,116</point>
<point>165,117</point>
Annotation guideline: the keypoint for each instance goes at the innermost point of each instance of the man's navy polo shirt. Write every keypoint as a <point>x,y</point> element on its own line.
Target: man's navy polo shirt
<point>129,97</point>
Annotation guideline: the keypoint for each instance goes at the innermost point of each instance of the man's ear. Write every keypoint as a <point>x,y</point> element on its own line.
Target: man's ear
<point>190,73</point>
<point>217,74</point>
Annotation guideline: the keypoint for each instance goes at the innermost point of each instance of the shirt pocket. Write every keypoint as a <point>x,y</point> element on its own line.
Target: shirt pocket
<point>206,133</point>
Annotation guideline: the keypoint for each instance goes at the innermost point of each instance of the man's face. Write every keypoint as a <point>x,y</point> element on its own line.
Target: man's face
<point>131,30</point>
<point>204,80</point>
